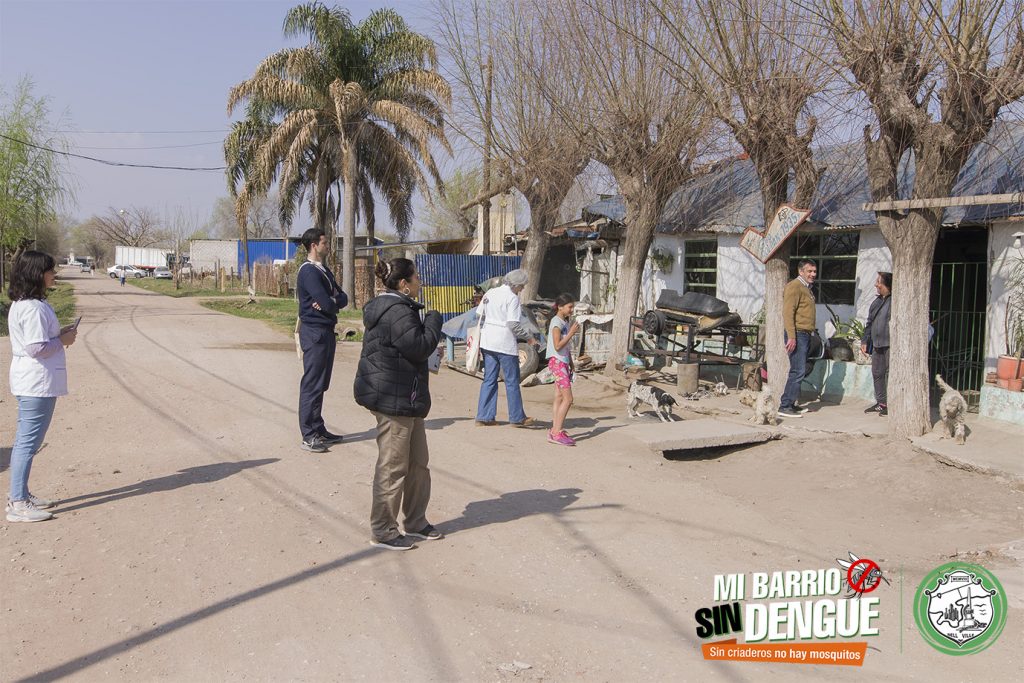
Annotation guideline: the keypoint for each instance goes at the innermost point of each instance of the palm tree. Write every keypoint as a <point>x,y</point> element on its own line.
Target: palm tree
<point>353,113</point>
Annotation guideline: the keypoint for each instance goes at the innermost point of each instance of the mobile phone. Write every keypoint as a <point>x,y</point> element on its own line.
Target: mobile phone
<point>77,320</point>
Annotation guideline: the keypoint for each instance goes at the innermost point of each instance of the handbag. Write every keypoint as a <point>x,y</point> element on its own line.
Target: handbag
<point>473,344</point>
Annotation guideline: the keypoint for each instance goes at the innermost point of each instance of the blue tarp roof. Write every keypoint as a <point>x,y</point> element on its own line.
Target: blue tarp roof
<point>728,197</point>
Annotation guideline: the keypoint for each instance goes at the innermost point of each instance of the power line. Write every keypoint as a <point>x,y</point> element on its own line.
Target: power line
<point>194,144</point>
<point>140,132</point>
<point>114,163</point>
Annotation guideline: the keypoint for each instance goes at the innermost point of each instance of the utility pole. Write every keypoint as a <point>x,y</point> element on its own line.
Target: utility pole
<point>485,223</point>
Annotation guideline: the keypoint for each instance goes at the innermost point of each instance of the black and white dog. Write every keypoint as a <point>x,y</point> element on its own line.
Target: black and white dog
<point>659,400</point>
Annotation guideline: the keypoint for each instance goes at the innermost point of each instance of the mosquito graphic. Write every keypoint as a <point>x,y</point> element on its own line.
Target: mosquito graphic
<point>857,578</point>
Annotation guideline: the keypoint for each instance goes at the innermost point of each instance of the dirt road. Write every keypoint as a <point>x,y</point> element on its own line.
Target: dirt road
<point>196,542</point>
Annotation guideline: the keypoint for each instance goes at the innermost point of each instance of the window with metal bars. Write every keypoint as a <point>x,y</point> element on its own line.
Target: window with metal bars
<point>835,254</point>
<point>700,266</point>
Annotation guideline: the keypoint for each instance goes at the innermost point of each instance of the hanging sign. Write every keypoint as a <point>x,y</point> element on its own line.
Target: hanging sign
<point>763,244</point>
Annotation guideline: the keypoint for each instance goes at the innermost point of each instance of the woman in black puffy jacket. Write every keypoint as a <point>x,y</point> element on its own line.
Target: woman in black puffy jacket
<point>393,382</point>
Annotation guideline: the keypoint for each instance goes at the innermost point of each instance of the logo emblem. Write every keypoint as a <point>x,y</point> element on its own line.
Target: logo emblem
<point>960,608</point>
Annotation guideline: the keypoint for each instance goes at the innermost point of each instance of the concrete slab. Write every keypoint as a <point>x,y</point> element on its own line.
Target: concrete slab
<point>693,434</point>
<point>992,447</point>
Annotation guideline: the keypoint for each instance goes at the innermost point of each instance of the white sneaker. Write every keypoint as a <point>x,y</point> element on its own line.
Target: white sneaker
<point>41,503</point>
<point>25,511</point>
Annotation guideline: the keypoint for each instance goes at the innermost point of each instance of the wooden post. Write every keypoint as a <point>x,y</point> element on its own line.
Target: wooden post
<point>485,220</point>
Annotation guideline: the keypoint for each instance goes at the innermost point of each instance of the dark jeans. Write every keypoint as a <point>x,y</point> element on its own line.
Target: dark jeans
<point>318,345</point>
<point>797,368</point>
<point>880,372</point>
<point>487,406</point>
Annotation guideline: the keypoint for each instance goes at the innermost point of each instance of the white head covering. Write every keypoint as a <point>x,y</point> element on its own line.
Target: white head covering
<point>516,278</point>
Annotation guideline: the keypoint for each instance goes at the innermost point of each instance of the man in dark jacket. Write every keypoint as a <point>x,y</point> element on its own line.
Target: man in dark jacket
<point>393,381</point>
<point>320,299</point>
<point>876,341</point>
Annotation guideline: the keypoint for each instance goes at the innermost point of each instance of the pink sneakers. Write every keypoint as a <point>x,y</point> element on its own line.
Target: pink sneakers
<point>562,439</point>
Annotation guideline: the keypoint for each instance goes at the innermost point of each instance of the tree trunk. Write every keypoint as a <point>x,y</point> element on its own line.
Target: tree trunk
<point>774,191</point>
<point>245,249</point>
<point>912,245</point>
<point>543,214</point>
<point>643,209</point>
<point>348,253</point>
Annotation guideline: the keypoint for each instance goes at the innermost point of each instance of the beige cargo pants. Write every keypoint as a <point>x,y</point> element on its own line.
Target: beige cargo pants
<point>402,477</point>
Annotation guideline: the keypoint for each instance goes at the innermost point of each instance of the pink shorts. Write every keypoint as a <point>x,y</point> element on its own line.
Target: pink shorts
<point>560,369</point>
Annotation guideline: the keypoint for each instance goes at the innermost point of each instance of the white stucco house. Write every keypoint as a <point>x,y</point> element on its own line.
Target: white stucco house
<point>697,248</point>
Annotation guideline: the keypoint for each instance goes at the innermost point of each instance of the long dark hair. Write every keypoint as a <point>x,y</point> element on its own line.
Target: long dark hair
<point>27,280</point>
<point>390,273</point>
<point>563,299</point>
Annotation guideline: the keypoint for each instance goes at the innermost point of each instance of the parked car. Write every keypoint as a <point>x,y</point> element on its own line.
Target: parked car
<point>85,268</point>
<point>161,273</point>
<point>129,271</point>
<point>535,316</point>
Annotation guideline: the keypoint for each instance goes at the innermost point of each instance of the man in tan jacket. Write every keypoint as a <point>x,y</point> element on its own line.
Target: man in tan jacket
<point>798,316</point>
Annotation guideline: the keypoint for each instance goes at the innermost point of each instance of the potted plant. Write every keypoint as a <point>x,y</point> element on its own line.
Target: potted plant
<point>844,344</point>
<point>1010,366</point>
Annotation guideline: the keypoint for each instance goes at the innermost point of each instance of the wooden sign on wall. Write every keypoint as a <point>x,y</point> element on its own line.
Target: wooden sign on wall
<point>763,244</point>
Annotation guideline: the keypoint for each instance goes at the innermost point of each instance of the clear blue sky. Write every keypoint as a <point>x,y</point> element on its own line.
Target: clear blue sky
<point>149,65</point>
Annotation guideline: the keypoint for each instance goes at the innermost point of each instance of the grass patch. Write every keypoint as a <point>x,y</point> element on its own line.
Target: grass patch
<point>279,313</point>
<point>166,287</point>
<point>61,297</point>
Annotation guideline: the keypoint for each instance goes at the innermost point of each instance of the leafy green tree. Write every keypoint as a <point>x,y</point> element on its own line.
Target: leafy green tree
<point>354,113</point>
<point>33,185</point>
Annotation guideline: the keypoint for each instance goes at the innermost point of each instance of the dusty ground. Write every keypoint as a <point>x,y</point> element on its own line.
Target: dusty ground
<point>195,541</point>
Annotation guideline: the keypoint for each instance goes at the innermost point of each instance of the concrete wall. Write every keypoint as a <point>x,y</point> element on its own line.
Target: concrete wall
<point>1002,258</point>
<point>740,277</point>
<point>205,254</point>
<point>1000,404</point>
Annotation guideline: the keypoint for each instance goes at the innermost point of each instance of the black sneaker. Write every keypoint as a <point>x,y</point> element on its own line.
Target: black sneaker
<point>789,412</point>
<point>427,533</point>
<point>396,543</point>
<point>883,411</point>
<point>873,409</point>
<point>314,444</point>
<point>331,439</point>
<point>800,409</point>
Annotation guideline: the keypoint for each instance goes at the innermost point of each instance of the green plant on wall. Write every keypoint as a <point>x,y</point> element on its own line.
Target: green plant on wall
<point>662,260</point>
<point>1013,323</point>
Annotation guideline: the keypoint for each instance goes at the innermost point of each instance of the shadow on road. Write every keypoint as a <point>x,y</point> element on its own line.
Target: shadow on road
<point>509,507</point>
<point>201,474</point>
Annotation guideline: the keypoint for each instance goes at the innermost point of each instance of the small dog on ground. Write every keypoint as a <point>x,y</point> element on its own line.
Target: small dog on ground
<point>721,389</point>
<point>765,408</point>
<point>952,409</point>
<point>659,400</point>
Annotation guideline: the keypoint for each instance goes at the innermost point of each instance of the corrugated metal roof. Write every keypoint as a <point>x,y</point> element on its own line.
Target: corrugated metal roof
<point>728,197</point>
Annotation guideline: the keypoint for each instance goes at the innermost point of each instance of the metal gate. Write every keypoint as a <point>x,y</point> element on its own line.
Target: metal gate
<point>957,312</point>
<point>448,279</point>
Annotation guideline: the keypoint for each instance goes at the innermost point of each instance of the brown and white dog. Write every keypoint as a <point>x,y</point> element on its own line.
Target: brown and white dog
<point>660,401</point>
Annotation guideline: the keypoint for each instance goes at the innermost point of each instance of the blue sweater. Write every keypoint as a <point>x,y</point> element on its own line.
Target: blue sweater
<point>314,284</point>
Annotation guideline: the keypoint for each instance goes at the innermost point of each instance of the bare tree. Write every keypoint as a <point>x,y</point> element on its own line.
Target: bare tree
<point>445,217</point>
<point>86,240</point>
<point>133,227</point>
<point>182,225</point>
<point>538,147</point>
<point>261,218</point>
<point>936,75</point>
<point>641,121</point>
<point>758,81</point>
